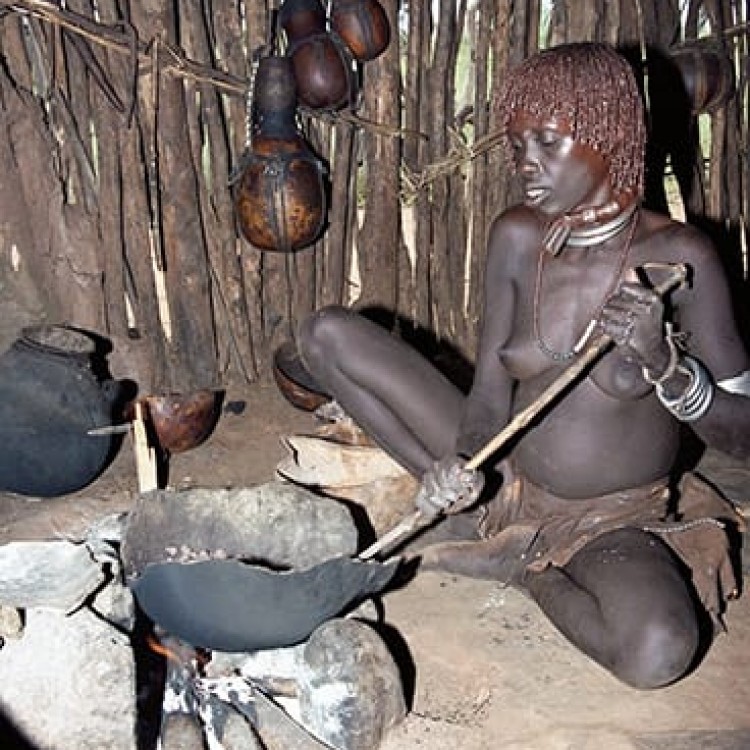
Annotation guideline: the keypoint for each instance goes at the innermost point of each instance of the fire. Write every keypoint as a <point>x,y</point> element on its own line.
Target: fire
<point>180,654</point>
<point>158,647</point>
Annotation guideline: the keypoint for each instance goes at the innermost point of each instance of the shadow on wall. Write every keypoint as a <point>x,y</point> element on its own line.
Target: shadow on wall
<point>683,82</point>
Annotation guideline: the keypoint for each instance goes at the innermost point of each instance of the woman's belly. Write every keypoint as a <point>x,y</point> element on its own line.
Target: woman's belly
<point>591,444</point>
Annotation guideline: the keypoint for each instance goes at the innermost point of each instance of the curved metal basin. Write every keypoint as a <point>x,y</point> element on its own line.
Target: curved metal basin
<point>230,605</point>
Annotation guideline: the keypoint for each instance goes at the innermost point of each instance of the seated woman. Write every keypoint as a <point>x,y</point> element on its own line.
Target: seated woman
<point>629,565</point>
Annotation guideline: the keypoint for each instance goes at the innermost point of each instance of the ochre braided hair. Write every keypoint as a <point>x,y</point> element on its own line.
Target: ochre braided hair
<point>594,89</point>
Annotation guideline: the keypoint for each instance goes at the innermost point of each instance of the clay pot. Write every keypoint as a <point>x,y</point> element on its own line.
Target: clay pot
<point>50,397</point>
<point>182,421</point>
<point>279,201</point>
<point>707,74</point>
<point>363,26</point>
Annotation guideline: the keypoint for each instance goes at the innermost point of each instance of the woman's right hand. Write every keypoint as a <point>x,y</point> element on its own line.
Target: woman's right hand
<point>449,487</point>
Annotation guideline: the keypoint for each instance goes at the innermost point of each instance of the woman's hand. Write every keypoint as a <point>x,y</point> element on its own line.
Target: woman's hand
<point>634,318</point>
<point>449,487</point>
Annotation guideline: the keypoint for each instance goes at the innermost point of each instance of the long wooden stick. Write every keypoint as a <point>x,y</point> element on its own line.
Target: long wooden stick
<point>597,348</point>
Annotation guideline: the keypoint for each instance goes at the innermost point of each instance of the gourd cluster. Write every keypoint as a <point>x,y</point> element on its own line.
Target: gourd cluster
<point>322,52</point>
<point>280,196</point>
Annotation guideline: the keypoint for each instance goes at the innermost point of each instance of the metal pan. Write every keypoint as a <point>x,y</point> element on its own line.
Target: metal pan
<point>247,569</point>
<point>229,605</point>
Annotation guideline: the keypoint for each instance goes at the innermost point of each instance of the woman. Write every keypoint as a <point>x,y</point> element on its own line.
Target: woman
<point>629,567</point>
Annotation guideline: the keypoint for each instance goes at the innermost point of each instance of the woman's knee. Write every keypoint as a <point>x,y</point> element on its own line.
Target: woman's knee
<point>319,333</point>
<point>660,653</point>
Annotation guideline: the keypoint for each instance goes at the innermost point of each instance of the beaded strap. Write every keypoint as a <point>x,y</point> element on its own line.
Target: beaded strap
<point>674,359</point>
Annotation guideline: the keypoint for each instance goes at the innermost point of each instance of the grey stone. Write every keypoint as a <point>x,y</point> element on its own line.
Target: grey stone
<point>351,692</point>
<point>47,574</point>
<point>278,731</point>
<point>276,523</point>
<point>116,604</point>
<point>69,682</point>
<point>237,734</point>
<point>11,623</point>
<point>181,732</point>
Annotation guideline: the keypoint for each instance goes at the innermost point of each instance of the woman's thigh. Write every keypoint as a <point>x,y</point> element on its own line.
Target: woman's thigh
<point>626,600</point>
<point>367,368</point>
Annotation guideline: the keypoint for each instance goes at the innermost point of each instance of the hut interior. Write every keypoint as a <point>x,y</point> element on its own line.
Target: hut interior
<point>140,202</point>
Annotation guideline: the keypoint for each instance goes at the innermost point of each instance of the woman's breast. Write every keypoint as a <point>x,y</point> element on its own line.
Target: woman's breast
<point>523,359</point>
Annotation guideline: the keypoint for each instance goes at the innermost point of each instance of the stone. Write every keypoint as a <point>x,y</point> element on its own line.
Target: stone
<point>11,623</point>
<point>69,682</point>
<point>351,691</point>
<point>47,574</point>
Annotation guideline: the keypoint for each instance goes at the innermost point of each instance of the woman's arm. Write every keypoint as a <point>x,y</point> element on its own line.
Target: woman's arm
<point>707,317</point>
<point>487,407</point>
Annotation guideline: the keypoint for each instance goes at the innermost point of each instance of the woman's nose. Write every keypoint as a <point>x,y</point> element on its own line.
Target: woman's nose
<point>527,156</point>
<point>529,162</point>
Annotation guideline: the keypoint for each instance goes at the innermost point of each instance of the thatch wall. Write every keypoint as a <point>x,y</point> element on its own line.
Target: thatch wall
<point>121,121</point>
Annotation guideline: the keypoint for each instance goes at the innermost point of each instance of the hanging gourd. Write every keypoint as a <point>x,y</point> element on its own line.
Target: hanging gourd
<point>322,66</point>
<point>362,25</point>
<point>707,74</point>
<point>280,201</point>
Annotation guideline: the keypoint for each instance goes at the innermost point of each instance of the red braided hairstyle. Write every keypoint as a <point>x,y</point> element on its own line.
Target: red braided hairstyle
<point>594,88</point>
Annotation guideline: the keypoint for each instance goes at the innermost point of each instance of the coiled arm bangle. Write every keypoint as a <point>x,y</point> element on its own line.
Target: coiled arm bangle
<point>696,399</point>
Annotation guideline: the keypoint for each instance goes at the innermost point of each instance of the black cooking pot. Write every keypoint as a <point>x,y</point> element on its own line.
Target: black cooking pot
<point>51,395</point>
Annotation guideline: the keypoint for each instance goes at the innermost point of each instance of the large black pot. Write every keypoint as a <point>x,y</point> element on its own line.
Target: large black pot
<point>51,395</point>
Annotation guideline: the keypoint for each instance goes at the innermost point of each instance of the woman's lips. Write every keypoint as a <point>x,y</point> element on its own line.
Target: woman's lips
<point>535,195</point>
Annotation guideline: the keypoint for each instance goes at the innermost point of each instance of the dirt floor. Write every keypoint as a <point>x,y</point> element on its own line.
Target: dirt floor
<point>488,670</point>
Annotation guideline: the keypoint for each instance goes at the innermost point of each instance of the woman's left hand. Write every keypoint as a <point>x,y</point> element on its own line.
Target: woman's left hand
<point>634,318</point>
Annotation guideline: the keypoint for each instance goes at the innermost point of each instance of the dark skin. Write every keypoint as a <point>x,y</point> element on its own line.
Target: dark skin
<point>623,599</point>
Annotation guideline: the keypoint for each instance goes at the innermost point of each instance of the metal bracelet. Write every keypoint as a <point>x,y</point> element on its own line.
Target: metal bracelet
<point>739,384</point>
<point>696,399</point>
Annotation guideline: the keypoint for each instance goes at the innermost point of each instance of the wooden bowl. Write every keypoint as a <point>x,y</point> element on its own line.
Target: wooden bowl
<point>182,421</point>
<point>295,383</point>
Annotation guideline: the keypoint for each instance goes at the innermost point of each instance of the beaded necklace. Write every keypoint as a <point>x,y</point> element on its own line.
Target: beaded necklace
<point>594,239</point>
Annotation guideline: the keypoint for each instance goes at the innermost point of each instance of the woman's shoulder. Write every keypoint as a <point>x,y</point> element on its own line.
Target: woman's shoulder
<point>673,235</point>
<point>666,240</point>
<point>517,218</point>
<point>513,243</point>
<point>517,231</point>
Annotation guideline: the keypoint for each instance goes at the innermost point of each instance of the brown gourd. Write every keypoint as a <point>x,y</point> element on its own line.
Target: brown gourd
<point>707,74</point>
<point>280,202</point>
<point>362,25</point>
<point>322,66</point>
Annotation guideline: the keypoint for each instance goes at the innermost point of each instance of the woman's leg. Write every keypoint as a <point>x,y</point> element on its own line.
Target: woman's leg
<point>625,601</point>
<point>393,393</point>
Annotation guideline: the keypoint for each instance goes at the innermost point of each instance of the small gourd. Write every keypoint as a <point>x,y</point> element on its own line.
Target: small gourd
<point>322,67</point>
<point>363,26</point>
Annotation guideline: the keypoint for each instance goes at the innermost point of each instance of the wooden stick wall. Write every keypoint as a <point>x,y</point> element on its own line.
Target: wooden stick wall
<point>122,120</point>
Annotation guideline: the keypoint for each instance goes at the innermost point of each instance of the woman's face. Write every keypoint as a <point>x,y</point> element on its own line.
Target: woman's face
<point>558,173</point>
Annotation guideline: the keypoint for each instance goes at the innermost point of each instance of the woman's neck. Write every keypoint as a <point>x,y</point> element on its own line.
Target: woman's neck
<point>597,234</point>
